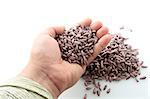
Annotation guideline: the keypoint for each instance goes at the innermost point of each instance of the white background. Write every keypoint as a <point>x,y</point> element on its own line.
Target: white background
<point>22,20</point>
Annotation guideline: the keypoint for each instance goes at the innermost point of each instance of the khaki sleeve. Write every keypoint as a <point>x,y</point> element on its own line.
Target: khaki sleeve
<point>23,88</point>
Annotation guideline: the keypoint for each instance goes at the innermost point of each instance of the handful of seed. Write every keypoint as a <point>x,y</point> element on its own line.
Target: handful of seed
<point>77,44</point>
<point>117,61</point>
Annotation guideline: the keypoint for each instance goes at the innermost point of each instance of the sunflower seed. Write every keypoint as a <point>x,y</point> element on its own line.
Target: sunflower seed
<point>105,87</point>
<point>85,96</point>
<point>142,78</point>
<point>108,91</point>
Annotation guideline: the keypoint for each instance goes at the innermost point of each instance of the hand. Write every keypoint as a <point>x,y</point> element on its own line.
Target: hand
<point>48,68</point>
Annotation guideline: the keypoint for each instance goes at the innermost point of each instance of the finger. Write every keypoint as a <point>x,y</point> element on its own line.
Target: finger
<point>101,32</point>
<point>79,70</point>
<point>96,25</point>
<point>76,72</point>
<point>99,46</point>
<point>85,22</point>
<point>52,31</point>
<point>84,67</point>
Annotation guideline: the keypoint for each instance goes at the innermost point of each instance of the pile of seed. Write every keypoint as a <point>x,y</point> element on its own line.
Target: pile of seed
<point>116,62</point>
<point>77,43</point>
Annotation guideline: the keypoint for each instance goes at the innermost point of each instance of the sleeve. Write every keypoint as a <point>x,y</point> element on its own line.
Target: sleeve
<point>23,88</point>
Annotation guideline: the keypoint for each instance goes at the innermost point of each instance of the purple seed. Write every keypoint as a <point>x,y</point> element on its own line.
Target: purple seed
<point>122,27</point>
<point>105,87</point>
<point>99,84</point>
<point>141,63</point>
<point>136,80</point>
<point>100,89</point>
<point>88,88</point>
<point>85,96</point>
<point>144,66</point>
<point>142,78</point>
<point>94,91</point>
<point>131,30</point>
<point>108,91</point>
<point>85,84</point>
<point>98,93</point>
<point>127,77</point>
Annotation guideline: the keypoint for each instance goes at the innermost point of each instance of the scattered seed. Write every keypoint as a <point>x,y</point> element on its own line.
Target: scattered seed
<point>100,89</point>
<point>122,27</point>
<point>85,96</point>
<point>141,63</point>
<point>88,88</point>
<point>127,77</point>
<point>98,93</point>
<point>105,87</point>
<point>144,66</point>
<point>142,78</point>
<point>131,30</point>
<point>108,91</point>
<point>85,84</point>
<point>98,84</point>
<point>94,91</point>
<point>136,80</point>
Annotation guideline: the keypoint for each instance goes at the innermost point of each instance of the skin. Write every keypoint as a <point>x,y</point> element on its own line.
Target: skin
<point>46,66</point>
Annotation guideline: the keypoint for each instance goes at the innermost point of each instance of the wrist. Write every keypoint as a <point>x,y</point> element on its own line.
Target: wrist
<point>37,75</point>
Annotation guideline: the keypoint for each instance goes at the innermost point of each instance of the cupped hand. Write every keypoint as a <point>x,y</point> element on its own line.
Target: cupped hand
<point>48,68</point>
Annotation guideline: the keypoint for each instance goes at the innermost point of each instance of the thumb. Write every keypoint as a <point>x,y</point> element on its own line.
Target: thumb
<point>52,31</point>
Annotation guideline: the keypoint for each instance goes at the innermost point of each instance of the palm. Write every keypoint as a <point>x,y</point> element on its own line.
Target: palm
<point>46,52</point>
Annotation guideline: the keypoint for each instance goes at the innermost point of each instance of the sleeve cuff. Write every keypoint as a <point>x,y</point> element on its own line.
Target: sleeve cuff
<point>29,85</point>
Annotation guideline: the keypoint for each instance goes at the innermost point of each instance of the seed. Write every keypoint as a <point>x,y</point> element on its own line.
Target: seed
<point>131,30</point>
<point>94,91</point>
<point>122,27</point>
<point>144,66</point>
<point>102,64</point>
<point>141,63</point>
<point>105,87</point>
<point>85,96</point>
<point>94,82</point>
<point>136,80</point>
<point>98,84</point>
<point>88,88</point>
<point>100,89</point>
<point>85,84</point>
<point>108,91</point>
<point>142,78</point>
<point>127,77</point>
<point>98,93</point>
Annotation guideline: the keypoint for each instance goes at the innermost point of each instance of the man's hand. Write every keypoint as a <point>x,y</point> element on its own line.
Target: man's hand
<point>48,68</point>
